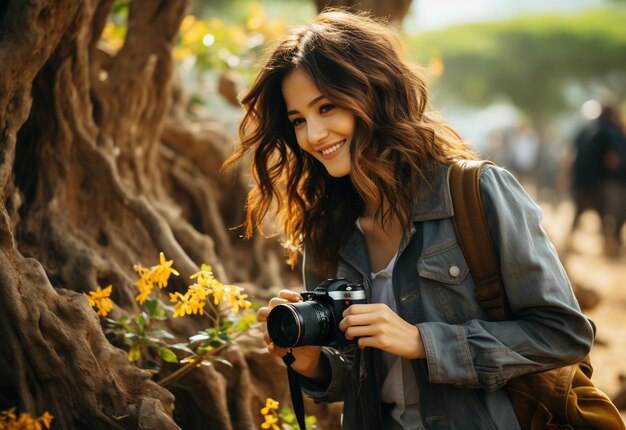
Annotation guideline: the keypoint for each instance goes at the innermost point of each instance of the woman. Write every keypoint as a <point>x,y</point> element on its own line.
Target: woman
<point>345,150</point>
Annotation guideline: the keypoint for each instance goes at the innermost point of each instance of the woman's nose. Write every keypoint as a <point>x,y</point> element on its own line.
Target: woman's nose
<point>317,131</point>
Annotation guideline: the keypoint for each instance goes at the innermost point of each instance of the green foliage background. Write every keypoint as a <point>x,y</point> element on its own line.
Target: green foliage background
<point>529,60</point>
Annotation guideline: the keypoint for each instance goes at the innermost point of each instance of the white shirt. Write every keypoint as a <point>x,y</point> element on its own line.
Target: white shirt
<point>399,384</point>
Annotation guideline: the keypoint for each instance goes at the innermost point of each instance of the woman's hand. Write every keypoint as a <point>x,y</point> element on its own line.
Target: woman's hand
<point>307,357</point>
<point>377,326</point>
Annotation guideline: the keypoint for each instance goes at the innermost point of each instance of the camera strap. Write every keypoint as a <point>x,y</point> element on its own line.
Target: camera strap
<point>295,389</point>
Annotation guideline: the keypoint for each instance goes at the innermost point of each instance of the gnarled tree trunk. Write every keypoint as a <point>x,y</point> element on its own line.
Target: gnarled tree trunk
<point>394,10</point>
<point>99,170</point>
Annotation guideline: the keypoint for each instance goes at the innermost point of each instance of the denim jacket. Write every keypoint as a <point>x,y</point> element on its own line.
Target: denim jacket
<point>469,359</point>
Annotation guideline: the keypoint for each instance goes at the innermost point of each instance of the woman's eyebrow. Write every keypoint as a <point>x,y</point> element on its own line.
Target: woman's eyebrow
<point>311,103</point>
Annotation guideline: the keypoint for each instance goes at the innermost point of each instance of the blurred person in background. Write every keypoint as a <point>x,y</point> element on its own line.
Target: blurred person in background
<point>598,176</point>
<point>611,132</point>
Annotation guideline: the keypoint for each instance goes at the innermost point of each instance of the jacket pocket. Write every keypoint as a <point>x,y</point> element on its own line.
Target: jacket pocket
<point>444,264</point>
<point>444,273</point>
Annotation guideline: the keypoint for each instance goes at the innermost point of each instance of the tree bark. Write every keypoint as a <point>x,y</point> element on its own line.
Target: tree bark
<point>394,10</point>
<point>99,170</point>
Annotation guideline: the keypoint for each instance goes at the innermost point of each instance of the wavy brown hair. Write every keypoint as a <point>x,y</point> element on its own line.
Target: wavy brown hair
<point>355,62</point>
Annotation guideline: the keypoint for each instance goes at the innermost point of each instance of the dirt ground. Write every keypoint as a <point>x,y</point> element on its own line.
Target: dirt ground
<point>589,268</point>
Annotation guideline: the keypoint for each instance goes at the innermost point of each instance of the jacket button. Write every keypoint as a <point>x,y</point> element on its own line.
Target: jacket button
<point>454,271</point>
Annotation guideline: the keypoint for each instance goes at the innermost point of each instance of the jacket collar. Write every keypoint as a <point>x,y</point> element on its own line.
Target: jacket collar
<point>433,200</point>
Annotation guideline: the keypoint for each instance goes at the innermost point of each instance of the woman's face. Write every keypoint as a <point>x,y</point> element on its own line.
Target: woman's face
<point>322,128</point>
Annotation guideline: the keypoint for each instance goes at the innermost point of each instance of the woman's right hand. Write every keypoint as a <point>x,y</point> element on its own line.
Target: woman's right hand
<point>307,361</point>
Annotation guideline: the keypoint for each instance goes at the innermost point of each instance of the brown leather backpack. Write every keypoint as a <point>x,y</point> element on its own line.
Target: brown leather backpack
<point>557,399</point>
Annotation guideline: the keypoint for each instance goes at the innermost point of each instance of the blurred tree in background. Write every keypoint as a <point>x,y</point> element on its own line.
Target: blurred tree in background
<point>394,10</point>
<point>529,61</point>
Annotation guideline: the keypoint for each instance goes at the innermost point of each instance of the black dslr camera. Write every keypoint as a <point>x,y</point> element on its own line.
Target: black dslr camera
<point>314,321</point>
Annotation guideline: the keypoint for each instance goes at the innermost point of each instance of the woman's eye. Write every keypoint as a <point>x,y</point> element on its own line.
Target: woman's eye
<point>326,108</point>
<point>297,121</point>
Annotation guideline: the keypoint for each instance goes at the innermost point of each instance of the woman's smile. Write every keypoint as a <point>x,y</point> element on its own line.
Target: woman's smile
<point>333,150</point>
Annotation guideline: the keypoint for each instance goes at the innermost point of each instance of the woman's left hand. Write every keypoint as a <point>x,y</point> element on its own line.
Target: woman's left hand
<point>377,326</point>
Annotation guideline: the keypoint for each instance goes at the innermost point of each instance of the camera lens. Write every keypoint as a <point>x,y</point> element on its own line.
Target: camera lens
<point>298,324</point>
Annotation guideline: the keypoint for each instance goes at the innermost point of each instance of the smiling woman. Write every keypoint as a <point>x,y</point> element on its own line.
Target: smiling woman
<point>322,129</point>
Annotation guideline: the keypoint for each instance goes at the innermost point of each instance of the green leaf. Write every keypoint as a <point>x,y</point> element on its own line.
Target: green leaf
<point>134,354</point>
<point>223,361</point>
<point>154,309</point>
<point>246,321</point>
<point>200,337</point>
<point>133,337</point>
<point>217,342</point>
<point>226,324</point>
<point>162,334</point>
<point>111,322</point>
<point>310,421</point>
<point>166,306</point>
<point>255,306</point>
<point>224,338</point>
<point>204,349</point>
<point>167,355</point>
<point>286,414</point>
<point>122,323</point>
<point>182,347</point>
<point>140,319</point>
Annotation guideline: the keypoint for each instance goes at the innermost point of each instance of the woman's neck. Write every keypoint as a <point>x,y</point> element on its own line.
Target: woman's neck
<point>383,240</point>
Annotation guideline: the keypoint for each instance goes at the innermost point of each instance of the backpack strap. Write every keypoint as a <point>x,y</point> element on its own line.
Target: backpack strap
<point>473,235</point>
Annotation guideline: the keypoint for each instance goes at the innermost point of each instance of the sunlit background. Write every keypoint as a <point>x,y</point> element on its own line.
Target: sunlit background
<point>495,63</point>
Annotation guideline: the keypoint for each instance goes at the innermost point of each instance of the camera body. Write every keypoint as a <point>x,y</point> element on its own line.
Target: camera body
<point>315,320</point>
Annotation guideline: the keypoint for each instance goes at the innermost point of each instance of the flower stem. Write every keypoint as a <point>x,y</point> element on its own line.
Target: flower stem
<point>189,366</point>
<point>193,363</point>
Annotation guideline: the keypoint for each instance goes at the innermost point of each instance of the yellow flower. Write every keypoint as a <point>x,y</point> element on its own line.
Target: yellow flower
<point>188,21</point>
<point>270,405</point>
<point>218,291</point>
<point>7,415</point>
<point>46,419</point>
<point>239,300</point>
<point>257,17</point>
<point>197,295</point>
<point>100,298</point>
<point>9,421</point>
<point>161,273</point>
<point>192,302</point>
<point>203,277</point>
<point>270,422</point>
<point>158,275</point>
<point>192,35</point>
<point>144,283</point>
